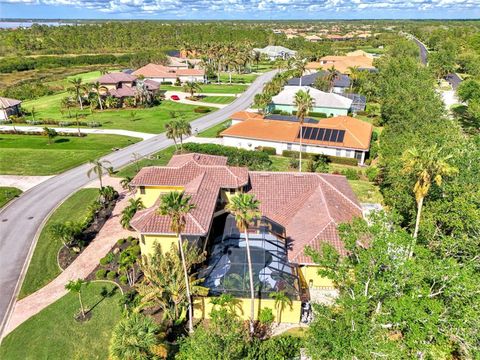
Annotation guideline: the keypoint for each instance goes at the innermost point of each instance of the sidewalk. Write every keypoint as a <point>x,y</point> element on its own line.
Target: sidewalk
<point>80,268</point>
<point>22,182</point>
<point>74,130</point>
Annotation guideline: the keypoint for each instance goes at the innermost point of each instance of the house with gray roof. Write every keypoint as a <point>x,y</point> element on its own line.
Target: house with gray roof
<point>330,104</point>
<point>276,52</point>
<point>9,107</point>
<point>340,84</point>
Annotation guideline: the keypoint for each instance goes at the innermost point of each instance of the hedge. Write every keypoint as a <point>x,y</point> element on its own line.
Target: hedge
<point>201,109</point>
<point>310,156</point>
<point>314,114</point>
<point>255,160</point>
<point>39,133</point>
<point>267,149</point>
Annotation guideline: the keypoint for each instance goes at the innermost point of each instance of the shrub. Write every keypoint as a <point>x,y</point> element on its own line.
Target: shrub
<point>266,316</point>
<point>201,109</point>
<point>166,83</point>
<point>293,163</point>
<point>111,275</point>
<point>93,124</point>
<point>135,250</point>
<point>134,241</point>
<point>350,174</point>
<point>277,347</point>
<point>267,149</point>
<point>121,241</point>
<point>372,173</point>
<point>374,136</point>
<point>123,279</point>
<point>107,259</point>
<point>373,153</point>
<point>342,160</point>
<point>310,166</point>
<point>101,274</point>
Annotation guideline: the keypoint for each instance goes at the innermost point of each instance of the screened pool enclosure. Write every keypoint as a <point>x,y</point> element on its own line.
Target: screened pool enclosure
<point>226,270</point>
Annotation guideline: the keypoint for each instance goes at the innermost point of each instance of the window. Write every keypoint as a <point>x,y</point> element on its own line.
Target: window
<point>338,152</point>
<point>142,190</point>
<point>349,153</point>
<point>304,148</point>
<point>289,146</point>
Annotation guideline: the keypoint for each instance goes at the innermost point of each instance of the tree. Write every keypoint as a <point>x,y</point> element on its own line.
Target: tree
<point>245,208</point>
<point>172,131</point>
<point>163,286</point>
<point>67,232</point>
<point>191,87</point>
<point>177,205</point>
<point>97,87</point>
<point>129,211</point>
<point>261,101</point>
<point>136,336</point>
<point>50,134</point>
<point>99,166</point>
<point>469,90</point>
<point>184,129</point>
<point>300,66</point>
<point>281,302</point>
<point>427,166</point>
<point>125,182</point>
<point>304,103</point>
<point>77,88</point>
<point>107,194</point>
<point>331,76</point>
<point>76,288</point>
<point>322,83</point>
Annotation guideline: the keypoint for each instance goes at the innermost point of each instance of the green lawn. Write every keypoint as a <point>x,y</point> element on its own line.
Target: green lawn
<point>212,88</point>
<point>218,99</point>
<point>149,120</point>
<point>87,77</point>
<point>43,267</point>
<point>32,155</point>
<point>214,130</point>
<point>55,334</point>
<point>160,158</point>
<point>366,191</point>
<point>7,194</point>
<point>236,78</point>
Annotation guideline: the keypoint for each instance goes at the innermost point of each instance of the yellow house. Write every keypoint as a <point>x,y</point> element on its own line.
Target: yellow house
<point>298,211</point>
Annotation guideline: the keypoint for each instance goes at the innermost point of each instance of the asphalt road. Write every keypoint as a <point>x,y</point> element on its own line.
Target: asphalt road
<point>423,51</point>
<point>20,221</point>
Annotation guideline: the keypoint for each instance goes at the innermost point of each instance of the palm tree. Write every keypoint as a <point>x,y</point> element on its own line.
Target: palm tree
<point>96,86</point>
<point>32,112</point>
<point>331,76</point>
<point>76,287</point>
<point>245,208</point>
<point>355,74</point>
<point>304,103</point>
<point>172,132</point>
<point>184,129</point>
<point>281,302</point>
<point>135,337</point>
<point>261,101</point>
<point>107,194</point>
<point>125,182</point>
<point>67,232</point>
<point>191,87</point>
<point>427,165</point>
<point>99,166</point>
<point>300,66</point>
<point>129,211</point>
<point>77,88</point>
<point>50,134</point>
<point>177,205</point>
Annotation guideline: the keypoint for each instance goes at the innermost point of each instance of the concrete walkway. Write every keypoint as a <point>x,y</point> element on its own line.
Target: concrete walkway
<point>79,269</point>
<point>21,182</point>
<point>70,130</point>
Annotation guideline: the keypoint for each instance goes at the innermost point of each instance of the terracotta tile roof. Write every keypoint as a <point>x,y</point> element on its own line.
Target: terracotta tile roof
<point>6,102</point>
<point>308,205</point>
<point>116,77</point>
<point>161,71</point>
<point>245,115</point>
<point>357,132</point>
<point>202,177</point>
<point>125,91</point>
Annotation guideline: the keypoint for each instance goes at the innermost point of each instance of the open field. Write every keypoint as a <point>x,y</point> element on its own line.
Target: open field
<point>218,99</point>
<point>55,334</point>
<point>32,155</point>
<point>7,194</point>
<point>149,120</point>
<point>43,267</point>
<point>212,88</point>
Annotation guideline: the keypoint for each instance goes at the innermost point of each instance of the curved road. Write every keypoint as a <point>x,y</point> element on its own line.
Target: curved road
<point>423,50</point>
<point>20,220</point>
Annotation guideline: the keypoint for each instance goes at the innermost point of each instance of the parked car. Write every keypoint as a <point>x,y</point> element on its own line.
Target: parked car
<point>174,97</point>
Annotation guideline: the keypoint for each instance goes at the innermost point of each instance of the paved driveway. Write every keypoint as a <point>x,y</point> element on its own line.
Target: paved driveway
<point>20,221</point>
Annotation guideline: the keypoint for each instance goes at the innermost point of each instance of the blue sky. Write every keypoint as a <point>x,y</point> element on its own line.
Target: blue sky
<point>240,9</point>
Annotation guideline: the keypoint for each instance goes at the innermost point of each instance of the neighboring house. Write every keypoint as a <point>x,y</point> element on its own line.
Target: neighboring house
<point>183,63</point>
<point>9,107</point>
<point>313,38</point>
<point>340,83</point>
<point>340,136</point>
<point>324,102</point>
<point>297,210</point>
<point>122,85</point>
<point>240,116</point>
<point>276,52</point>
<point>161,74</point>
<point>342,63</point>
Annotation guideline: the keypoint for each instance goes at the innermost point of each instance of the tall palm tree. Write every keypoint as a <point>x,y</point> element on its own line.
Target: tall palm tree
<point>355,74</point>
<point>427,166</point>
<point>331,76</point>
<point>125,182</point>
<point>77,88</point>
<point>300,66</point>
<point>99,166</point>
<point>177,205</point>
<point>281,302</point>
<point>129,211</point>
<point>191,87</point>
<point>184,129</point>
<point>172,131</point>
<point>97,86</point>
<point>304,103</point>
<point>50,134</point>
<point>245,208</point>
<point>135,337</point>
<point>76,287</point>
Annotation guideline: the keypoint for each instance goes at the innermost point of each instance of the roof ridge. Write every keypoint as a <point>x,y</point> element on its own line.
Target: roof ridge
<point>315,237</point>
<point>338,191</point>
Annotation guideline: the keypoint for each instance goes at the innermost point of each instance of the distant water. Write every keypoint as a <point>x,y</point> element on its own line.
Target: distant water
<point>26,24</point>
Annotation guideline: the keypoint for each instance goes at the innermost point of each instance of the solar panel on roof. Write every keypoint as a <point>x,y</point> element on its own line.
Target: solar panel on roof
<point>328,133</point>
<point>341,135</point>
<point>308,133</point>
<point>315,134</point>
<point>321,132</point>
<point>333,137</point>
